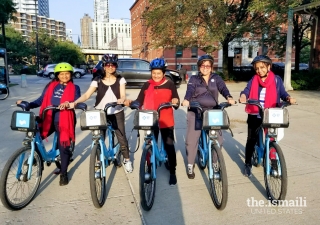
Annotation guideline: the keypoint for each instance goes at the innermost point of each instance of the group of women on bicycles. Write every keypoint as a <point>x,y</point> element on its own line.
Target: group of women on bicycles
<point>204,88</point>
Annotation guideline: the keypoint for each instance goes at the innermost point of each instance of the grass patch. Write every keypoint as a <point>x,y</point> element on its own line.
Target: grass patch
<point>11,85</point>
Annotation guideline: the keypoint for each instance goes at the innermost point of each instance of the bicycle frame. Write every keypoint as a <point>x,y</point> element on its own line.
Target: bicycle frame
<point>107,153</point>
<point>157,155</point>
<point>204,143</point>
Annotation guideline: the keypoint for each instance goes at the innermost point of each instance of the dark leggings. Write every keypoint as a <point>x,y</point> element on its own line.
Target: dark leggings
<point>117,121</point>
<point>253,124</point>
<point>65,153</point>
<point>167,135</point>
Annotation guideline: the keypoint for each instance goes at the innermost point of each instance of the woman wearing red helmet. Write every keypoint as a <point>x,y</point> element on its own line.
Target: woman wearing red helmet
<point>111,87</point>
<point>203,88</point>
<point>268,88</point>
<point>155,91</point>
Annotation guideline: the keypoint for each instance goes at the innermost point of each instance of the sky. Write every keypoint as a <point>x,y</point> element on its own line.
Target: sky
<point>71,11</point>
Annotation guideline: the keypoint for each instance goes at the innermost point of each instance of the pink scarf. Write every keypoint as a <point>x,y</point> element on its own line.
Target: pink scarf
<point>271,92</point>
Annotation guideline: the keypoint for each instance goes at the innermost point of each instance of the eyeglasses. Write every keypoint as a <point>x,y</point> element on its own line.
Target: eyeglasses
<point>205,66</point>
<point>110,65</point>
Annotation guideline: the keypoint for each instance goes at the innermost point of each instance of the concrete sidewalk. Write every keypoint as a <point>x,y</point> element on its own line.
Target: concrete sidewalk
<point>189,201</point>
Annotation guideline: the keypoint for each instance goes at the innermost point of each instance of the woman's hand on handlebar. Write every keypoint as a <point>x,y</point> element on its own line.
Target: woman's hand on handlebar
<point>65,105</point>
<point>243,98</point>
<point>231,101</point>
<point>127,102</point>
<point>185,103</point>
<point>18,102</point>
<point>175,101</point>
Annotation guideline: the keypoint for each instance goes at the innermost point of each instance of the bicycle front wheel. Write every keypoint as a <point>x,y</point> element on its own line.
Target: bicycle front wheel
<point>219,182</point>
<point>16,191</point>
<point>276,180</point>
<point>97,181</point>
<point>4,93</point>
<point>146,181</point>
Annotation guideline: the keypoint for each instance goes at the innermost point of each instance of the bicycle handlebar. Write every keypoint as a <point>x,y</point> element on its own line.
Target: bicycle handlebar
<point>111,104</point>
<point>256,102</point>
<point>221,106</point>
<point>167,105</point>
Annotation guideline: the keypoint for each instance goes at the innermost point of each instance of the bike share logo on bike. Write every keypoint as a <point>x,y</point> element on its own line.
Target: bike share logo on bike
<point>277,206</point>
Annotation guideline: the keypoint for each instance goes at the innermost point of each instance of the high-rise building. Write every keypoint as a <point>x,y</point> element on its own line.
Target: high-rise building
<point>101,11</point>
<point>86,26</point>
<point>29,6</point>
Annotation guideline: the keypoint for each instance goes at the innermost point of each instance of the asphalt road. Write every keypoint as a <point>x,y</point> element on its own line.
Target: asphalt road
<point>189,201</point>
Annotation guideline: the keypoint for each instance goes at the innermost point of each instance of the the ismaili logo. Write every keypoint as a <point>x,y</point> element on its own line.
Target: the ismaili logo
<point>22,122</point>
<point>216,120</point>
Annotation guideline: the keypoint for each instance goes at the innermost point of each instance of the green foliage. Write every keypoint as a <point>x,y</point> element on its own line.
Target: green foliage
<point>305,54</point>
<point>66,52</point>
<point>306,80</point>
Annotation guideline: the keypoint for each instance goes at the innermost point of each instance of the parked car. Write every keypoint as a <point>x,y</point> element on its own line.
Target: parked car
<point>49,71</point>
<point>40,73</point>
<point>302,67</point>
<point>136,71</point>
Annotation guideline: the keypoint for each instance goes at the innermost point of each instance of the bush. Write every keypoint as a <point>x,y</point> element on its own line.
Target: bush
<point>18,67</point>
<point>306,80</point>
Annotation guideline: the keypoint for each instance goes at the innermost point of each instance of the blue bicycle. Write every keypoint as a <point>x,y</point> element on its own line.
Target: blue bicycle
<point>101,155</point>
<point>152,155</point>
<point>21,176</point>
<point>4,91</point>
<point>268,152</point>
<point>209,150</point>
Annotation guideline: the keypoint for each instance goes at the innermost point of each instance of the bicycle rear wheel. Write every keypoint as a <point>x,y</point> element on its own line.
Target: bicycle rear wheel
<point>277,181</point>
<point>16,191</point>
<point>219,182</point>
<point>4,93</point>
<point>147,183</point>
<point>97,181</point>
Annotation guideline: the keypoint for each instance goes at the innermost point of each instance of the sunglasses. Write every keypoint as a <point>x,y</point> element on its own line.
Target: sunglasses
<point>110,65</point>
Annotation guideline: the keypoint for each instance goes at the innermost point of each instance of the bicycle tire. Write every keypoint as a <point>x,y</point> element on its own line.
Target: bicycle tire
<point>219,187</point>
<point>8,177</point>
<point>97,182</point>
<point>4,95</point>
<point>275,194</point>
<point>147,187</point>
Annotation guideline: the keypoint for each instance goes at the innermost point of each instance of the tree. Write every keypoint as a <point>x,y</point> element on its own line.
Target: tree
<point>213,24</point>
<point>6,14</point>
<point>67,52</point>
<point>19,48</point>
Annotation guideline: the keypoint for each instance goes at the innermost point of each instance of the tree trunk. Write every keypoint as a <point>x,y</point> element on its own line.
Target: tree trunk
<point>4,34</point>
<point>225,49</point>
<point>297,44</point>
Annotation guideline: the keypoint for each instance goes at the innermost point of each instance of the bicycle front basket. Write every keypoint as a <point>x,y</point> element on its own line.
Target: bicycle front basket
<point>215,119</point>
<point>145,120</point>
<point>23,121</point>
<point>93,120</point>
<point>275,117</point>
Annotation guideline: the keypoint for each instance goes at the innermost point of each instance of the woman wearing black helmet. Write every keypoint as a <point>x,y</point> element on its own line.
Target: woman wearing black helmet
<point>111,87</point>
<point>155,91</point>
<point>203,88</point>
<point>269,89</point>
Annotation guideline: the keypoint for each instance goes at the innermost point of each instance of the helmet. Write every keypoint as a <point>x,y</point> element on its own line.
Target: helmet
<point>204,58</point>
<point>261,58</point>
<point>62,67</point>
<point>158,64</point>
<point>110,58</point>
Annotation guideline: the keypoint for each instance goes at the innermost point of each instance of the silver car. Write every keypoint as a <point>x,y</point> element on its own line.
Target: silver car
<point>48,71</point>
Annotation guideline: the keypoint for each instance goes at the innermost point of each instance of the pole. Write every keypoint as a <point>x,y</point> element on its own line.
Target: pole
<point>287,70</point>
<point>37,38</point>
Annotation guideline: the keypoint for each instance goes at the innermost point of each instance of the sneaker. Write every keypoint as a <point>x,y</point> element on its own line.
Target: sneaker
<point>190,173</point>
<point>173,179</point>
<point>128,166</point>
<point>247,170</point>
<point>64,179</point>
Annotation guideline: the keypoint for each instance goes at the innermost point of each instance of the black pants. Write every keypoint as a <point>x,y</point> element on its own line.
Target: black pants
<point>117,121</point>
<point>167,135</point>
<point>65,152</point>
<point>253,135</point>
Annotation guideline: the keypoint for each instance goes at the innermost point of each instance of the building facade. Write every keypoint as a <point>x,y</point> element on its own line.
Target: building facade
<point>30,6</point>
<point>101,11</point>
<point>86,31</point>
<point>26,24</point>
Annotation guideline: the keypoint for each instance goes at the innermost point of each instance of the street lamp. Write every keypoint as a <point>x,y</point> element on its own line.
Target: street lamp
<point>37,38</point>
